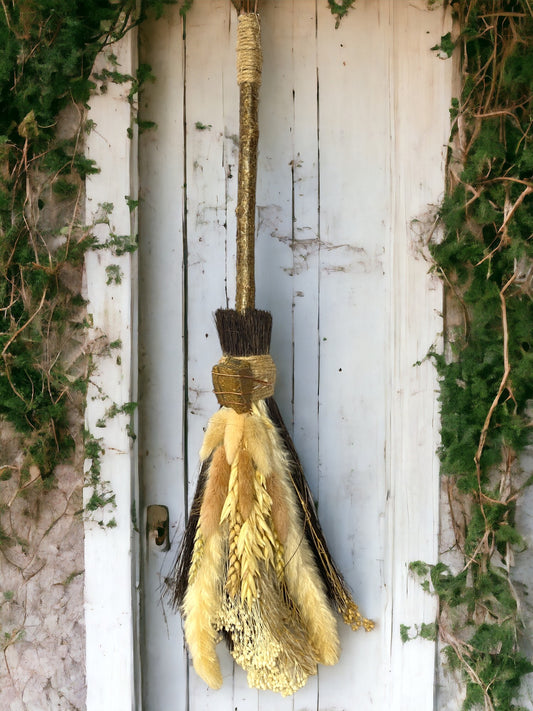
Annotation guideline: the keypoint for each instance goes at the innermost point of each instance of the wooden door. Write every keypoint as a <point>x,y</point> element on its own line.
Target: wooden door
<point>353,127</point>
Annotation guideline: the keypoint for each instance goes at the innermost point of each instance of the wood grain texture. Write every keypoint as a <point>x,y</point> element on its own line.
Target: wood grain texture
<point>162,347</point>
<point>110,556</point>
<point>353,124</point>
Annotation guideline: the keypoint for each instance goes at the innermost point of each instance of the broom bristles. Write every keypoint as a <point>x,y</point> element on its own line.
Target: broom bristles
<point>245,333</point>
<point>271,525</point>
<point>248,333</point>
<point>176,582</point>
<point>311,523</point>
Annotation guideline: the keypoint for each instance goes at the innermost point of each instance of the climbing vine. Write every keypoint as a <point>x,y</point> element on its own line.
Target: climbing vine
<point>48,52</point>
<point>484,259</point>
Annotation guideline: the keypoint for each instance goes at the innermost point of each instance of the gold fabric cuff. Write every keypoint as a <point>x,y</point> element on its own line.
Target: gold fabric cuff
<point>238,382</point>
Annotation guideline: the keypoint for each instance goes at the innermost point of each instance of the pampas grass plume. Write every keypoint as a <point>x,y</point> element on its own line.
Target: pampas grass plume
<point>215,494</point>
<point>201,606</point>
<point>214,434</point>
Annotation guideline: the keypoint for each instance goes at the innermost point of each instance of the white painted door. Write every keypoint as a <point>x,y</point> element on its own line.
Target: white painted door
<point>353,126</point>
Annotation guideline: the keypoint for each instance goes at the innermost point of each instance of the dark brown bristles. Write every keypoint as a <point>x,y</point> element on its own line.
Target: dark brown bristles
<point>330,574</point>
<point>176,582</point>
<point>244,333</point>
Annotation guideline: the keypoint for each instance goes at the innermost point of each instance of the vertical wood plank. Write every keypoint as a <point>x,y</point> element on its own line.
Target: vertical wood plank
<point>110,607</point>
<point>211,95</point>
<point>274,192</point>
<point>305,263</point>
<point>418,154</point>
<point>206,204</point>
<point>164,662</point>
<point>354,227</point>
<point>305,239</point>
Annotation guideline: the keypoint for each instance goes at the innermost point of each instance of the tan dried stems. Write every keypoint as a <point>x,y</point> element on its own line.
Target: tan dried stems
<point>268,594</point>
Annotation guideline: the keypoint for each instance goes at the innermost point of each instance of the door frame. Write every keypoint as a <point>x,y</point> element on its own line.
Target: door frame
<point>111,551</point>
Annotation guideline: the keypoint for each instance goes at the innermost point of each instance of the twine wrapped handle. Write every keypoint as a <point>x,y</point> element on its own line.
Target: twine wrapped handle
<point>249,56</point>
<point>249,66</point>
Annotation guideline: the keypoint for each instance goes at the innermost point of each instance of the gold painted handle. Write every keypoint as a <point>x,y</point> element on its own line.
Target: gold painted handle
<point>249,65</point>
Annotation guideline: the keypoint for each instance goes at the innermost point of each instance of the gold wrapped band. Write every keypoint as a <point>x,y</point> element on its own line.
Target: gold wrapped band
<point>239,382</point>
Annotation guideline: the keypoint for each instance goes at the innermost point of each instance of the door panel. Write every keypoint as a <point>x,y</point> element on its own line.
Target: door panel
<point>353,124</point>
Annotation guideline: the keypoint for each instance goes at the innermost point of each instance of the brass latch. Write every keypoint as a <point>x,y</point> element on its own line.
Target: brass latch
<point>157,527</point>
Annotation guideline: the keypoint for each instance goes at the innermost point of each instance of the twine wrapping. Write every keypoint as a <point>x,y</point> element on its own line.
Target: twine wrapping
<point>239,382</point>
<point>249,57</point>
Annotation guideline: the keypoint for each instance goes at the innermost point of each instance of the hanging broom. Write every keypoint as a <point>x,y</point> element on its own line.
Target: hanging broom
<point>254,566</point>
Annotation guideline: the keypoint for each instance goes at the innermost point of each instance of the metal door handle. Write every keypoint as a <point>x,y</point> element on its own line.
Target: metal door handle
<point>157,527</point>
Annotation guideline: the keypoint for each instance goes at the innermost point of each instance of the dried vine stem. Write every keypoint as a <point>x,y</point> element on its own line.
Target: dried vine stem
<point>503,382</point>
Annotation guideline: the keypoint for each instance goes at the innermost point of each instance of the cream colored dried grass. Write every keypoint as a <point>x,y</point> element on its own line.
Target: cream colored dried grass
<point>258,441</point>
<point>267,640</point>
<point>264,586</point>
<point>201,606</point>
<point>256,543</point>
<point>214,434</point>
<point>233,434</point>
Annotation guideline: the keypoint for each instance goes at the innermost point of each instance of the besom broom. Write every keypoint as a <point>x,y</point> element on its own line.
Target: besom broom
<point>253,566</point>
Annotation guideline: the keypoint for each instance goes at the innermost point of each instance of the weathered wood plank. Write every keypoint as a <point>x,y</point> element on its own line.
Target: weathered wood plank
<point>354,220</point>
<point>276,219</point>
<point>206,203</point>
<point>274,192</point>
<point>419,80</point>
<point>305,270</point>
<point>110,608</point>
<point>210,71</point>
<point>164,664</point>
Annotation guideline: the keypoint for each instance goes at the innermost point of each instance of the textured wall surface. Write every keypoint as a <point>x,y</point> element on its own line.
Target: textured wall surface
<point>41,588</point>
<point>42,664</point>
<point>523,571</point>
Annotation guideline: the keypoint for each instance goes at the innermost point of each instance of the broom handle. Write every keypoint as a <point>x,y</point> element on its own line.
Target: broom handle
<point>249,65</point>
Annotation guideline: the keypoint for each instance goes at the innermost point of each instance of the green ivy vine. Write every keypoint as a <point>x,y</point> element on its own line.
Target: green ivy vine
<point>48,52</point>
<point>486,376</point>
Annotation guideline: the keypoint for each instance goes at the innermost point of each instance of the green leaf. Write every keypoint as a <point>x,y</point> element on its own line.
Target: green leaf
<point>445,47</point>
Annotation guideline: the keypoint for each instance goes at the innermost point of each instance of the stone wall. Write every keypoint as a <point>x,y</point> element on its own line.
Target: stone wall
<point>41,589</point>
<point>42,665</point>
